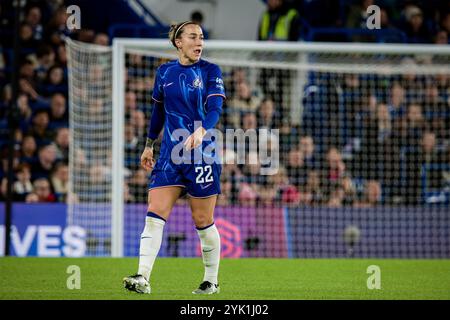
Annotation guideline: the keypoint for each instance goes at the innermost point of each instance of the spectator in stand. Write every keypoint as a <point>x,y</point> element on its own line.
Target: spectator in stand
<point>237,75</point>
<point>396,101</point>
<point>279,22</point>
<point>197,17</point>
<point>61,56</point>
<point>28,150</point>
<point>130,102</point>
<point>55,82</point>
<point>60,180</point>
<point>378,155</point>
<point>46,159</point>
<point>40,127</point>
<point>56,28</point>
<point>444,23</point>
<point>61,144</point>
<point>42,189</point>
<point>131,144</point>
<point>415,26</point>
<point>244,100</point>
<point>248,195</point>
<point>138,121</point>
<point>26,71</point>
<point>349,191</point>
<point>85,35</point>
<point>101,39</point>
<point>372,195</point>
<point>33,18</point>
<point>224,198</point>
<point>334,169</point>
<point>428,154</point>
<point>26,37</point>
<point>137,185</point>
<point>441,37</point>
<point>128,197</point>
<point>307,147</point>
<point>311,191</point>
<point>286,193</point>
<point>96,108</point>
<point>342,193</point>
<point>288,136</point>
<point>22,186</point>
<point>357,16</point>
<point>32,198</point>
<point>267,195</point>
<point>335,197</point>
<point>58,112</point>
<point>295,167</point>
<point>252,179</point>
<point>442,81</point>
<point>267,115</point>
<point>412,83</point>
<point>131,140</point>
<point>385,21</point>
<point>434,103</point>
<point>408,130</point>
<point>6,98</point>
<point>25,112</point>
<point>45,59</point>
<point>249,121</point>
<point>3,189</point>
<point>35,98</point>
<point>232,173</point>
<point>252,170</point>
<point>435,109</point>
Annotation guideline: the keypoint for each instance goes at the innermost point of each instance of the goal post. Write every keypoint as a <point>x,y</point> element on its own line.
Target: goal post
<point>348,152</point>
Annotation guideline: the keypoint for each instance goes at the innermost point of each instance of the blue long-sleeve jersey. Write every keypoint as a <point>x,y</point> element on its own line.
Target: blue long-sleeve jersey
<point>182,95</point>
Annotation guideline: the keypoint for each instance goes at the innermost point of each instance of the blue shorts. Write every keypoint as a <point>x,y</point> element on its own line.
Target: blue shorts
<point>200,180</point>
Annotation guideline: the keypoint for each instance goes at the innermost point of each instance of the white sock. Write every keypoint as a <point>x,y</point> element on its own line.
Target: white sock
<point>151,239</point>
<point>210,242</point>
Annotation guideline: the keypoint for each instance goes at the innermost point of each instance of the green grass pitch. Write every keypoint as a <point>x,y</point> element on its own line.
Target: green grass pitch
<point>240,279</point>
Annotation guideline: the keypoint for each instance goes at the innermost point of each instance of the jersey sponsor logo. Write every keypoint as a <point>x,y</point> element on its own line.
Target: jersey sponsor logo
<point>219,81</point>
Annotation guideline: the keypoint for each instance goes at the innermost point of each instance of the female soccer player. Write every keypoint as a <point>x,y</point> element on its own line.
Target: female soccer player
<point>187,91</point>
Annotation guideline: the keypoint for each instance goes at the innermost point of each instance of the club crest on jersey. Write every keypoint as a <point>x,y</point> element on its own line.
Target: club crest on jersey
<point>197,83</point>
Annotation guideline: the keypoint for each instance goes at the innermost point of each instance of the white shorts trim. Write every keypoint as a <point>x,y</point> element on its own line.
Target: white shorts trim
<point>203,197</point>
<point>172,185</point>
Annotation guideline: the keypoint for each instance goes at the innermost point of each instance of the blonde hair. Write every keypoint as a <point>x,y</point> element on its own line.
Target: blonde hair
<point>176,30</point>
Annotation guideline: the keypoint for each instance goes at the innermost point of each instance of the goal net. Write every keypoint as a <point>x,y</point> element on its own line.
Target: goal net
<point>329,150</point>
<point>91,140</point>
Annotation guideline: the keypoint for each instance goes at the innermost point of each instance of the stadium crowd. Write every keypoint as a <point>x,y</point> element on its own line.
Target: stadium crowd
<point>354,148</point>
<point>41,147</point>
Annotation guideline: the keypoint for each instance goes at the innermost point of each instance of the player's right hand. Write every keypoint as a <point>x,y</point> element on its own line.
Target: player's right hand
<point>147,161</point>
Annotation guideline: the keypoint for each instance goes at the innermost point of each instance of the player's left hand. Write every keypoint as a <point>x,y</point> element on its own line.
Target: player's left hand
<point>195,139</point>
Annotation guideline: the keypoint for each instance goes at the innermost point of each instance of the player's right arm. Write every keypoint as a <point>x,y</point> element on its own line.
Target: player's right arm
<point>155,126</point>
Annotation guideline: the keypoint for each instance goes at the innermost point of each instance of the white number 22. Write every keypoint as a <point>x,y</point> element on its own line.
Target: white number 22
<point>200,171</point>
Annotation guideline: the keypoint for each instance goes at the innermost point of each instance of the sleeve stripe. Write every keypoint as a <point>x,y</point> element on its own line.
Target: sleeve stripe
<point>216,94</point>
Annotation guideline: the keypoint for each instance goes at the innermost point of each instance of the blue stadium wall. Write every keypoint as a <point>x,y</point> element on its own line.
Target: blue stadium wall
<point>41,230</point>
